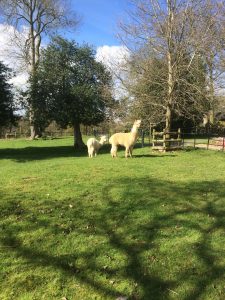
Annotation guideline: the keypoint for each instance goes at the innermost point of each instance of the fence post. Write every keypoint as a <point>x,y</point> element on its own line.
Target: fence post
<point>153,137</point>
<point>182,137</point>
<point>179,137</point>
<point>149,137</point>
<point>208,143</point>
<point>179,133</point>
<point>142,138</point>
<point>194,140</point>
<point>164,140</point>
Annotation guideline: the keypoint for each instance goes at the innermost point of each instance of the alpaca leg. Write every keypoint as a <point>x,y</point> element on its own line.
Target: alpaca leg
<point>91,152</point>
<point>127,152</point>
<point>114,151</point>
<point>111,151</point>
<point>130,151</point>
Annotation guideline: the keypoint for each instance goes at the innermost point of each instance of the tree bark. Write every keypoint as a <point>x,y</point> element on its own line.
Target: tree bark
<point>170,93</point>
<point>170,67</point>
<point>168,118</point>
<point>211,89</point>
<point>78,142</point>
<point>33,131</point>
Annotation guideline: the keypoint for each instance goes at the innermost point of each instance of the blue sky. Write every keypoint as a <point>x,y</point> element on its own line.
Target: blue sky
<point>98,28</point>
<point>99,21</point>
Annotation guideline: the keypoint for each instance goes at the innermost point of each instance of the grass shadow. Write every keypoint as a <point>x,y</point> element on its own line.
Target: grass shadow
<point>160,155</point>
<point>44,153</point>
<point>141,224</point>
<point>40,153</point>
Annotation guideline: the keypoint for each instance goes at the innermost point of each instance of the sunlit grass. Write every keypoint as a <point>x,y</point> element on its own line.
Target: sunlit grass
<point>151,227</point>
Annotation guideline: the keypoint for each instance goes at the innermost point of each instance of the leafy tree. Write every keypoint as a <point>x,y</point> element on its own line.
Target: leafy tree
<point>6,98</point>
<point>75,87</point>
<point>177,33</point>
<point>149,91</point>
<point>41,18</point>
<point>33,98</point>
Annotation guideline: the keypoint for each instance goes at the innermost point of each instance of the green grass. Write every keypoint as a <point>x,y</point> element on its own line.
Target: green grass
<point>151,227</point>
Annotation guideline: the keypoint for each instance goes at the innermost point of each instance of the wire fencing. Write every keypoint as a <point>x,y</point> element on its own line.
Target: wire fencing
<point>195,140</point>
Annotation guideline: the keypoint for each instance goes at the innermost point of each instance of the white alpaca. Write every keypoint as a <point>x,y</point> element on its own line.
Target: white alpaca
<point>94,145</point>
<point>125,139</point>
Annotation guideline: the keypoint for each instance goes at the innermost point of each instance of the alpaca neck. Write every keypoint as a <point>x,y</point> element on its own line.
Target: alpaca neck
<point>134,130</point>
<point>134,133</point>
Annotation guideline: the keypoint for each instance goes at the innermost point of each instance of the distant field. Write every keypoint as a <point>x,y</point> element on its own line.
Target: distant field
<point>151,227</point>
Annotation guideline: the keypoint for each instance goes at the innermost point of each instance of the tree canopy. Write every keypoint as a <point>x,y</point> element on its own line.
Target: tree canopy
<point>149,91</point>
<point>72,85</point>
<point>6,98</point>
<point>36,19</point>
<point>172,68</point>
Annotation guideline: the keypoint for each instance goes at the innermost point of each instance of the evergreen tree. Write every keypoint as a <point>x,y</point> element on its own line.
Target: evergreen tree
<point>40,18</point>
<point>6,98</point>
<point>74,87</point>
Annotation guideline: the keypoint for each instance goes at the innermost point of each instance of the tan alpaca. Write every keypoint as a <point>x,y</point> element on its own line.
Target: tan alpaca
<point>94,145</point>
<point>125,139</point>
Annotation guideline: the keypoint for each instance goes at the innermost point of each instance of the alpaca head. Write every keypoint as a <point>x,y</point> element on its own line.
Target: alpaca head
<point>103,139</point>
<point>137,123</point>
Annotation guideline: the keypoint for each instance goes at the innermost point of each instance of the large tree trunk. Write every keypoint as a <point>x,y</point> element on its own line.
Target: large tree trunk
<point>211,89</point>
<point>168,118</point>
<point>170,67</point>
<point>34,132</point>
<point>35,43</point>
<point>33,129</point>
<point>78,142</point>
<point>170,94</point>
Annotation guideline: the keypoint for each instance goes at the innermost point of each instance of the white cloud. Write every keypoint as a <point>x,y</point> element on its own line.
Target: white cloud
<point>114,58</point>
<point>10,53</point>
<point>20,80</point>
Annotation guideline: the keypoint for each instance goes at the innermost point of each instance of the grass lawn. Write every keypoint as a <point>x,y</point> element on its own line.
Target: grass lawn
<point>151,227</point>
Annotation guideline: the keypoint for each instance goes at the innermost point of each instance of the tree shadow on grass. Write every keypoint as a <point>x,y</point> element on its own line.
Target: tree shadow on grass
<point>183,201</point>
<point>43,153</point>
<point>154,155</point>
<point>40,153</point>
<point>144,228</point>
